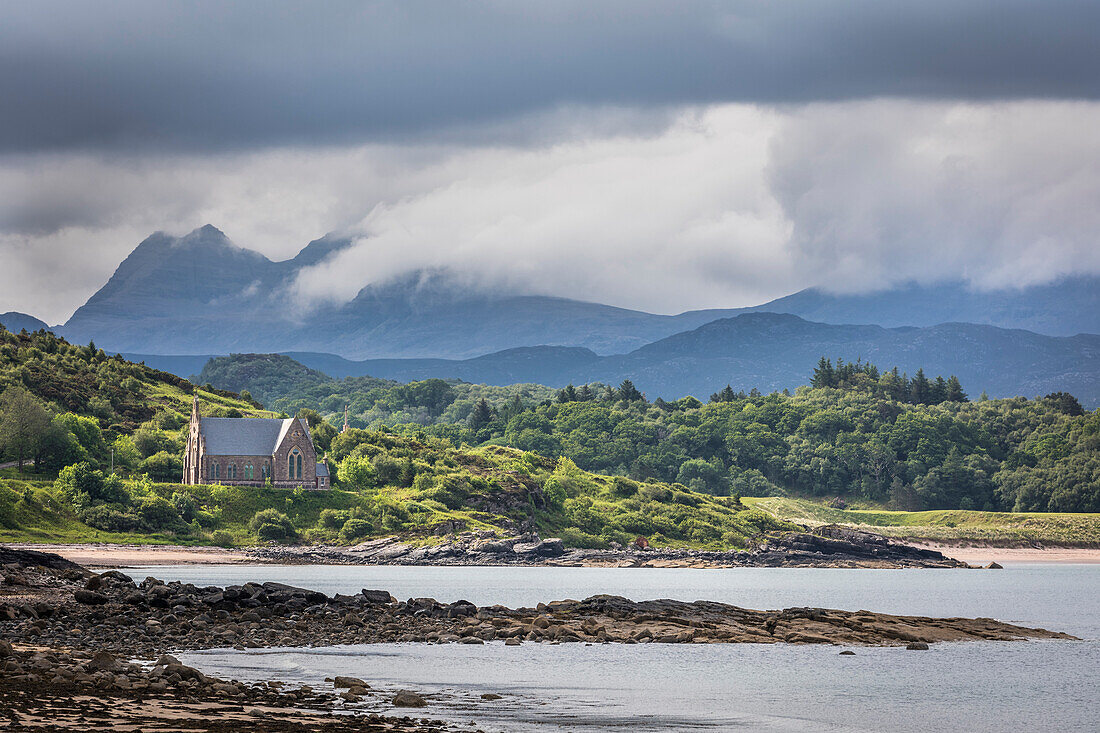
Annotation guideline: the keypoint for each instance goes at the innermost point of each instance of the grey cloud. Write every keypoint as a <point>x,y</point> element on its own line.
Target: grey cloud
<point>217,76</point>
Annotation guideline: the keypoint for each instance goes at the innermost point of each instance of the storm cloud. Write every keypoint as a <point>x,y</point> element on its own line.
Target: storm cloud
<point>218,76</point>
<point>662,156</point>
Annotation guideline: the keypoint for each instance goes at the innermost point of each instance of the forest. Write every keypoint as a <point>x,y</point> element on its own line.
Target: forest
<point>854,433</point>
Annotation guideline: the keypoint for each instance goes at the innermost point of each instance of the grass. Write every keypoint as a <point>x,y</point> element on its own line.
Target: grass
<point>953,526</point>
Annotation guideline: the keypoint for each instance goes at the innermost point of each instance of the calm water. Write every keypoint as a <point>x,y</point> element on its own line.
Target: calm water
<point>1001,686</point>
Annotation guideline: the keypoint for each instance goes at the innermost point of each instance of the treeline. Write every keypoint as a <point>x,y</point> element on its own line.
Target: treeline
<point>920,390</point>
<point>1010,454</point>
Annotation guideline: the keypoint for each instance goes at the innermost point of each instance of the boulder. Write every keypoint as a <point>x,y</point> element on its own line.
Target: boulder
<point>348,682</point>
<point>916,646</point>
<point>5,649</point>
<point>377,596</point>
<point>994,566</point>
<point>103,661</point>
<point>90,598</point>
<point>490,696</point>
<point>847,653</point>
<point>406,699</point>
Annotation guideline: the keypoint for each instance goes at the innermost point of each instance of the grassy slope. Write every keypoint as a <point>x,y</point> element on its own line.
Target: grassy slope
<point>505,488</point>
<point>951,526</point>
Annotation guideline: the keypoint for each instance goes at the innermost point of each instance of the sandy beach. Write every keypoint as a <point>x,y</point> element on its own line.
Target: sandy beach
<point>1017,555</point>
<point>116,556</point>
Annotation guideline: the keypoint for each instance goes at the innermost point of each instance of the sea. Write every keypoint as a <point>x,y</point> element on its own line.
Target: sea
<point>992,687</point>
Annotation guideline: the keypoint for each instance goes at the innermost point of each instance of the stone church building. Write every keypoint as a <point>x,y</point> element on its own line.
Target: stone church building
<point>247,451</point>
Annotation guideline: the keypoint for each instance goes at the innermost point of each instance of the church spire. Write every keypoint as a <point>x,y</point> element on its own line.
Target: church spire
<point>345,428</point>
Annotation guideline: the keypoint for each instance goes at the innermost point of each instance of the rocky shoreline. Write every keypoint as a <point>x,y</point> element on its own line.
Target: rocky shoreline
<point>829,546</point>
<point>69,636</point>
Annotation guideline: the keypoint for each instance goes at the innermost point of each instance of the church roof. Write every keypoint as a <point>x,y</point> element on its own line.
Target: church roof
<point>236,436</point>
<point>322,469</point>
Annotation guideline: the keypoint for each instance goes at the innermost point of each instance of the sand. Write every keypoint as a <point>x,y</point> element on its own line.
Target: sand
<point>115,556</point>
<point>1017,555</point>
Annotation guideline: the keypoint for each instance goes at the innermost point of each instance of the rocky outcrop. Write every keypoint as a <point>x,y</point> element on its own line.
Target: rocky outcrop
<point>827,546</point>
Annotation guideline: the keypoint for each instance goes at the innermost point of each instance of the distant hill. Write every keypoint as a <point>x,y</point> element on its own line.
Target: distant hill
<point>16,322</point>
<point>1064,308</point>
<point>770,352</point>
<point>203,295</point>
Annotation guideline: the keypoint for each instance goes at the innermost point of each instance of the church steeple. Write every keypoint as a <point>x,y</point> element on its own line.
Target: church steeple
<point>345,428</point>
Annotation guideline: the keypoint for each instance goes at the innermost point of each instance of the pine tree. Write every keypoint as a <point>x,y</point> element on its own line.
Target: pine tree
<point>955,391</point>
<point>481,416</point>
<point>585,394</point>
<point>938,393</point>
<point>824,375</point>
<point>920,389</point>
<point>628,392</point>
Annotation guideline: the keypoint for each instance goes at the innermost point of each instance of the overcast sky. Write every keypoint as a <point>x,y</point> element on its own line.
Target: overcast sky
<point>662,156</point>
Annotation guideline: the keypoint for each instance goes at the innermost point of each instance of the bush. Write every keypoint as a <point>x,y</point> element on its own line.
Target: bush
<point>85,488</point>
<point>353,529</point>
<point>332,519</point>
<point>163,466</point>
<point>221,538</point>
<point>356,472</point>
<point>270,524</point>
<point>111,518</point>
<point>159,515</point>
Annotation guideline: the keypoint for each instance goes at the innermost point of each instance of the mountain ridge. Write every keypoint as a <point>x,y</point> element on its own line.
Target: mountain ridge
<point>203,294</point>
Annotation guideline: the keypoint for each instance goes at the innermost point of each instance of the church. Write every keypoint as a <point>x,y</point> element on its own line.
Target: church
<point>247,451</point>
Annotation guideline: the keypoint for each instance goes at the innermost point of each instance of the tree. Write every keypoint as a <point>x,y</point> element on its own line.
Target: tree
<point>23,423</point>
<point>955,391</point>
<point>481,416</point>
<point>628,392</point>
<point>725,395</point>
<point>824,375</point>
<point>920,389</point>
<point>1065,402</point>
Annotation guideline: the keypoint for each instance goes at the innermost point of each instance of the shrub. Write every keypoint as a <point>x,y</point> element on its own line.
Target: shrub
<point>111,518</point>
<point>353,529</point>
<point>159,515</point>
<point>270,524</point>
<point>356,473</point>
<point>162,466</point>
<point>221,538</point>
<point>332,519</point>
<point>85,488</point>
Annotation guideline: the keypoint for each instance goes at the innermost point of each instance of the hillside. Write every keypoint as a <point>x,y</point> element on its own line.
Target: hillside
<point>863,433</point>
<point>393,485</point>
<point>768,351</point>
<point>16,322</point>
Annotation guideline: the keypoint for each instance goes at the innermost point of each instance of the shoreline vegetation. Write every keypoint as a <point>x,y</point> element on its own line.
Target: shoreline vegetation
<point>599,472</point>
<point>66,635</point>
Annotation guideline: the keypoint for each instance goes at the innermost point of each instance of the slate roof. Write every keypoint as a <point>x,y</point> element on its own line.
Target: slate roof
<point>235,436</point>
<point>322,469</point>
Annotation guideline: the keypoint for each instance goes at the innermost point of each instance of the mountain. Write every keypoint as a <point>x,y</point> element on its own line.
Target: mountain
<point>202,294</point>
<point>16,322</point>
<point>1063,308</point>
<point>768,351</point>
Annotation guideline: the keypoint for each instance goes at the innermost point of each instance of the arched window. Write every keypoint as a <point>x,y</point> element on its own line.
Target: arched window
<point>231,471</point>
<point>248,472</point>
<point>294,461</point>
<point>263,471</point>
<point>213,470</point>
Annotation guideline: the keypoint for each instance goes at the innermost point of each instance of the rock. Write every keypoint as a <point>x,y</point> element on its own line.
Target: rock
<point>513,642</point>
<point>5,649</point>
<point>90,598</point>
<point>348,682</point>
<point>994,566</point>
<point>406,699</point>
<point>164,660</point>
<point>104,661</point>
<point>490,696</point>
<point>916,645</point>
<point>847,653</point>
<point>116,575</point>
<point>377,596</point>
